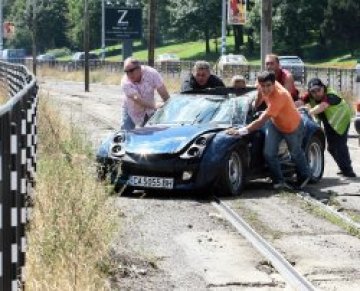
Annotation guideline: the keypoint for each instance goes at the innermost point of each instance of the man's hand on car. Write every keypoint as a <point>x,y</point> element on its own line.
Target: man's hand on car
<point>237,131</point>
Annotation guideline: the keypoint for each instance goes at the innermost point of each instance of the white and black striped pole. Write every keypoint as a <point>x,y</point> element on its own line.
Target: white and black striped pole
<point>5,204</point>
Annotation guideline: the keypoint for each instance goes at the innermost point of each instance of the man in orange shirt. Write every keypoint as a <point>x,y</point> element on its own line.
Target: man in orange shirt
<point>284,123</point>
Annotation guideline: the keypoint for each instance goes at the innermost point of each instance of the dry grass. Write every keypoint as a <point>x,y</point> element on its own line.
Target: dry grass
<point>3,94</point>
<point>96,76</point>
<point>73,220</point>
<point>101,76</point>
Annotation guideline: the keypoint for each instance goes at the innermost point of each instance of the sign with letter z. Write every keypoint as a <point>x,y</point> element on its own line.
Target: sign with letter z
<point>122,23</point>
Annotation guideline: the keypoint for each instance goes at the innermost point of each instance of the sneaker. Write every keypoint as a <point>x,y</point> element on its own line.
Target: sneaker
<point>282,186</point>
<point>302,182</point>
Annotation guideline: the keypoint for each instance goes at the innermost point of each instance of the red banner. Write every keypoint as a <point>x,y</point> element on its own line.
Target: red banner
<point>236,12</point>
<point>8,29</point>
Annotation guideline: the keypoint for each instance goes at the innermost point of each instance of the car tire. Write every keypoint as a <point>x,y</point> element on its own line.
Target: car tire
<point>232,174</point>
<point>357,78</point>
<point>314,153</point>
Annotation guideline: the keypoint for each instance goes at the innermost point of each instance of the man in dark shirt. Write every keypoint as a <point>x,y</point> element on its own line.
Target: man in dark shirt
<point>201,78</point>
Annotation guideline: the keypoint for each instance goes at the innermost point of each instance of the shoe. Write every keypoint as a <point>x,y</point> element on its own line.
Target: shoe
<point>282,186</point>
<point>349,174</point>
<point>302,182</point>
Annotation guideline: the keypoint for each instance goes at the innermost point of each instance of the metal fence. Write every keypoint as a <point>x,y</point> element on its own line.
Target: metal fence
<point>17,169</point>
<point>340,79</point>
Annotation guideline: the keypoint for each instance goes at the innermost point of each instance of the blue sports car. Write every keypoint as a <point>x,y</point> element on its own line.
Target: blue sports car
<point>184,146</point>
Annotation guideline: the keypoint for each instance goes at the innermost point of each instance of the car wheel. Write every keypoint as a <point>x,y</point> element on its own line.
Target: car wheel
<point>315,156</point>
<point>232,176</point>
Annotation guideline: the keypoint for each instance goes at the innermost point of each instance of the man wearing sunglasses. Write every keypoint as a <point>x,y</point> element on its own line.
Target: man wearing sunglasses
<point>139,84</point>
<point>335,114</point>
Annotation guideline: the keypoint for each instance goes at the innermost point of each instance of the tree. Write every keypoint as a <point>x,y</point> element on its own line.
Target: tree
<point>75,19</point>
<point>44,20</point>
<point>194,19</point>
<point>341,23</point>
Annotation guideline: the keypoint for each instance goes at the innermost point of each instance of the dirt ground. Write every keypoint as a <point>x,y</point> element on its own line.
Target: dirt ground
<point>180,242</point>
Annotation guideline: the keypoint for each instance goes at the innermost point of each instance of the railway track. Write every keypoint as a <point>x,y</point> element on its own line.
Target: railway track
<point>288,272</point>
<point>277,260</point>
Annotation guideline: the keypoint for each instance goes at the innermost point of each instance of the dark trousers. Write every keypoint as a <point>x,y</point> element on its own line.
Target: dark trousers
<point>337,147</point>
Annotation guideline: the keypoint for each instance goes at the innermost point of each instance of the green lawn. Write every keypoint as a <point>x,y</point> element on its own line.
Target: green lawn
<point>195,50</point>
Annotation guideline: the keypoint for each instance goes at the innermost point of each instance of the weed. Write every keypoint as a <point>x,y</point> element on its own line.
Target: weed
<point>73,219</point>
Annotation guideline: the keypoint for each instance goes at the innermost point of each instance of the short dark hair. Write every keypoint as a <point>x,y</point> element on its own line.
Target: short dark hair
<point>265,76</point>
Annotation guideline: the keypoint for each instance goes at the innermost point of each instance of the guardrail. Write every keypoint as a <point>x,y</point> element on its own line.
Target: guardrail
<point>18,136</point>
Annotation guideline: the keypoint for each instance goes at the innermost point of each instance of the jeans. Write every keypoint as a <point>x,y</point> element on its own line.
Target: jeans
<point>126,123</point>
<point>273,138</point>
<point>337,147</point>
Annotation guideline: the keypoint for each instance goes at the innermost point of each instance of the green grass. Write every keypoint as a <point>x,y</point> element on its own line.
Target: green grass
<point>195,50</point>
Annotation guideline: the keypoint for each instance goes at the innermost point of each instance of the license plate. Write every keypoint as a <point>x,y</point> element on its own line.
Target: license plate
<point>151,182</point>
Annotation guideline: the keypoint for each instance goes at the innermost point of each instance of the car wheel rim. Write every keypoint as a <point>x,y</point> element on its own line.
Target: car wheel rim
<point>315,159</point>
<point>235,171</point>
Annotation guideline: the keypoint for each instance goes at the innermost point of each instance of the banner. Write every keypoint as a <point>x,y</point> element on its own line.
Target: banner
<point>8,29</point>
<point>123,23</point>
<point>236,12</point>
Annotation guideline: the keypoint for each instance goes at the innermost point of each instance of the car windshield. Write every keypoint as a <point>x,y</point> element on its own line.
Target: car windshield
<point>204,109</point>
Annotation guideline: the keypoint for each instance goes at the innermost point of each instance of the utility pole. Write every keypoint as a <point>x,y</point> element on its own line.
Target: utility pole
<point>32,7</point>
<point>151,40</point>
<point>266,30</point>
<point>223,28</point>
<point>86,44</point>
<point>1,28</point>
<point>102,29</point>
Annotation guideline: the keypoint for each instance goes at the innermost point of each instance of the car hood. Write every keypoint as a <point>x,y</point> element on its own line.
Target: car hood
<point>164,140</point>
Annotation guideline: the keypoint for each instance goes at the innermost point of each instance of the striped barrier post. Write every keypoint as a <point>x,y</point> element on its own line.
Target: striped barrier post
<point>18,138</point>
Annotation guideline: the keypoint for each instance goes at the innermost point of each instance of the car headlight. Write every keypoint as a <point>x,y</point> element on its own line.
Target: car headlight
<point>117,149</point>
<point>196,149</point>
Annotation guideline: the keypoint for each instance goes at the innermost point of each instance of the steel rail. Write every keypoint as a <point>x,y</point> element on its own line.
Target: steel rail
<point>307,197</point>
<point>291,276</point>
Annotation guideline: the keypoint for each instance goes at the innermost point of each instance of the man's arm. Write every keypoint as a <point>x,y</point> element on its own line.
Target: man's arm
<point>256,124</point>
<point>319,108</point>
<point>163,92</point>
<point>138,100</point>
